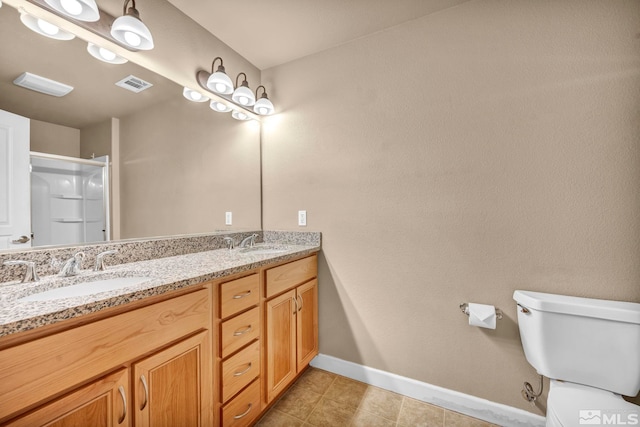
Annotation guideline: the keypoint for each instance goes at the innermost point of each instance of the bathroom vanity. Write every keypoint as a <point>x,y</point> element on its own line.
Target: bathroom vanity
<point>210,340</point>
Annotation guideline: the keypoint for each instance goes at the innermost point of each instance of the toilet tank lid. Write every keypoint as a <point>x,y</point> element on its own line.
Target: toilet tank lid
<point>620,311</point>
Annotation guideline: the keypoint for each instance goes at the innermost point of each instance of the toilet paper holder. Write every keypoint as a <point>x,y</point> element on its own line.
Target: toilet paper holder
<point>464,307</point>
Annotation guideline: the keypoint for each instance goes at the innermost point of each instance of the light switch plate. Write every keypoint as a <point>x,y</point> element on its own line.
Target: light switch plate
<point>302,218</point>
<point>228,218</point>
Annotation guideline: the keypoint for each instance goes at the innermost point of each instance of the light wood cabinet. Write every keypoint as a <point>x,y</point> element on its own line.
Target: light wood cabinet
<point>102,403</point>
<point>35,373</point>
<point>291,325</point>
<point>239,364</point>
<point>170,388</point>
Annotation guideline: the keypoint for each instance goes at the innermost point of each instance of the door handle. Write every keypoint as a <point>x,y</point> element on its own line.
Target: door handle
<point>22,239</point>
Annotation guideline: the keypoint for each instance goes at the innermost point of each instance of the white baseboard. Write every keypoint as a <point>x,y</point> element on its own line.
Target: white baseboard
<point>476,407</point>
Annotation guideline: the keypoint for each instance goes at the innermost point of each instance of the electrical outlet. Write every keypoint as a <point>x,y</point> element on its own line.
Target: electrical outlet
<point>302,218</point>
<point>228,218</point>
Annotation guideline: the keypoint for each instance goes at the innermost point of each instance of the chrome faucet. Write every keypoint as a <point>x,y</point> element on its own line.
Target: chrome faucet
<point>230,242</point>
<point>30,274</point>
<point>72,266</point>
<point>99,266</point>
<point>249,240</point>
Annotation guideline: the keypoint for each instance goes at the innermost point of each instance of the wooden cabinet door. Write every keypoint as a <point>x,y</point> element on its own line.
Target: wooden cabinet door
<point>280,342</point>
<point>102,403</point>
<point>172,387</point>
<point>307,323</point>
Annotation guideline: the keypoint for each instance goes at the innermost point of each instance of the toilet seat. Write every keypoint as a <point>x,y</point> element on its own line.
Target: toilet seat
<point>571,405</point>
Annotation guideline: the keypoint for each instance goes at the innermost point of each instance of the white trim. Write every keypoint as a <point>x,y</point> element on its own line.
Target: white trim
<point>476,407</point>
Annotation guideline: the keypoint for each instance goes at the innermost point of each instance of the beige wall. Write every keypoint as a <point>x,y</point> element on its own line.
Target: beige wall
<point>182,166</point>
<point>54,139</point>
<point>95,140</point>
<point>458,157</point>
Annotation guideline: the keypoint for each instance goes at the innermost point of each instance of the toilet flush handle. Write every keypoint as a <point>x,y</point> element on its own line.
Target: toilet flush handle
<point>524,309</point>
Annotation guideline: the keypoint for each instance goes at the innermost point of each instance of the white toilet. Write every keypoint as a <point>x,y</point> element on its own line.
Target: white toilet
<point>590,349</point>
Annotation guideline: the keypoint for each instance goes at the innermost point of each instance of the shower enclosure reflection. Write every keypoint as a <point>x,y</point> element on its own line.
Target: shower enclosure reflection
<point>69,199</point>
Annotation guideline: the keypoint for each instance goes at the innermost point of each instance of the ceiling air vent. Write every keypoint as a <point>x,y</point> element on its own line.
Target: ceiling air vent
<point>134,84</point>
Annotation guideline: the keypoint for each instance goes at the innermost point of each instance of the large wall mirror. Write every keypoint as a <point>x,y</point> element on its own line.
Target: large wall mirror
<point>178,167</point>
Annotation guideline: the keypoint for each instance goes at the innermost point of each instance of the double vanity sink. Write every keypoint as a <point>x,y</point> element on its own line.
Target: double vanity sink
<point>24,306</point>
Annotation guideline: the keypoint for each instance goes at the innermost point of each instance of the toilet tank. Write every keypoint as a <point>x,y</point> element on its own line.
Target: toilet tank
<point>582,340</point>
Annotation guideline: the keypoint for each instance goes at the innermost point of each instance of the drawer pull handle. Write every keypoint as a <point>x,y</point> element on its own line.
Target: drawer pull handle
<point>242,295</point>
<point>245,413</point>
<point>143,380</point>
<point>301,303</point>
<point>124,403</point>
<point>295,310</point>
<point>242,332</point>
<point>238,374</point>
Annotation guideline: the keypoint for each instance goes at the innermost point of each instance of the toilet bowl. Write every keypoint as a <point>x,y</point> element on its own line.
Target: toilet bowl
<point>570,404</point>
<point>590,349</point>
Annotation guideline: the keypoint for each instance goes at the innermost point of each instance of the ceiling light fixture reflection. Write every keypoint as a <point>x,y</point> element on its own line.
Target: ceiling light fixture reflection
<point>82,10</point>
<point>193,95</point>
<point>44,28</point>
<point>219,81</point>
<point>219,107</point>
<point>105,55</point>
<point>243,95</point>
<point>239,115</point>
<point>263,106</point>
<point>129,30</point>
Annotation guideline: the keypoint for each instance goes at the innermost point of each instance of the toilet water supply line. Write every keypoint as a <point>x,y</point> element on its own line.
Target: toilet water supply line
<point>528,394</point>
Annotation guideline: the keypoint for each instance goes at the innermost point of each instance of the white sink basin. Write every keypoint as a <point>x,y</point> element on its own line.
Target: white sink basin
<point>264,249</point>
<point>85,288</point>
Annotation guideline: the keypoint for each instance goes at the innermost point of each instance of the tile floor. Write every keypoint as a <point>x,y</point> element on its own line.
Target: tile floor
<point>320,398</point>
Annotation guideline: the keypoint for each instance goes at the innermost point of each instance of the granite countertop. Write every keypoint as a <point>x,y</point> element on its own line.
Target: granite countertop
<point>165,275</point>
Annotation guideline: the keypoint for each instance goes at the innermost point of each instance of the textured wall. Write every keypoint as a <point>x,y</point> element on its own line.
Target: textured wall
<point>54,139</point>
<point>486,148</point>
<point>182,166</point>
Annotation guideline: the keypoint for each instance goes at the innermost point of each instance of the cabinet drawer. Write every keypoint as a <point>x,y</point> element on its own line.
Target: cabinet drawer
<point>242,410</point>
<point>239,295</point>
<point>284,277</point>
<point>239,331</point>
<point>240,370</point>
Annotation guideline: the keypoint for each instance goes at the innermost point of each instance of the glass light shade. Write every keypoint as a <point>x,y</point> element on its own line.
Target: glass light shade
<point>239,115</point>
<point>243,96</point>
<point>193,95</point>
<point>219,107</point>
<point>132,32</point>
<point>219,82</point>
<point>264,107</point>
<point>82,10</point>
<point>44,28</point>
<point>104,55</point>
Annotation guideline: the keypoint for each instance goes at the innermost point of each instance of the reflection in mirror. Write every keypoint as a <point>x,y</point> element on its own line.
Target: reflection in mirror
<point>177,167</point>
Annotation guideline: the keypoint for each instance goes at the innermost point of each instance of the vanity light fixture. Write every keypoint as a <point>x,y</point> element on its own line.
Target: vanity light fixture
<point>193,95</point>
<point>219,107</point>
<point>239,115</point>
<point>243,95</point>
<point>82,10</point>
<point>263,106</point>
<point>129,29</point>
<point>219,81</point>
<point>105,55</point>
<point>44,28</point>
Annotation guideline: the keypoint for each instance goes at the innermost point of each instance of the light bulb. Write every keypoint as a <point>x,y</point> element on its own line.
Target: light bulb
<point>263,111</point>
<point>132,38</point>
<point>73,7</point>
<point>48,28</point>
<point>243,100</point>
<point>220,87</point>
<point>107,54</point>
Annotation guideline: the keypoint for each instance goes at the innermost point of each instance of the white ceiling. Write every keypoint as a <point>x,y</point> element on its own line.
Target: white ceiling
<point>272,32</point>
